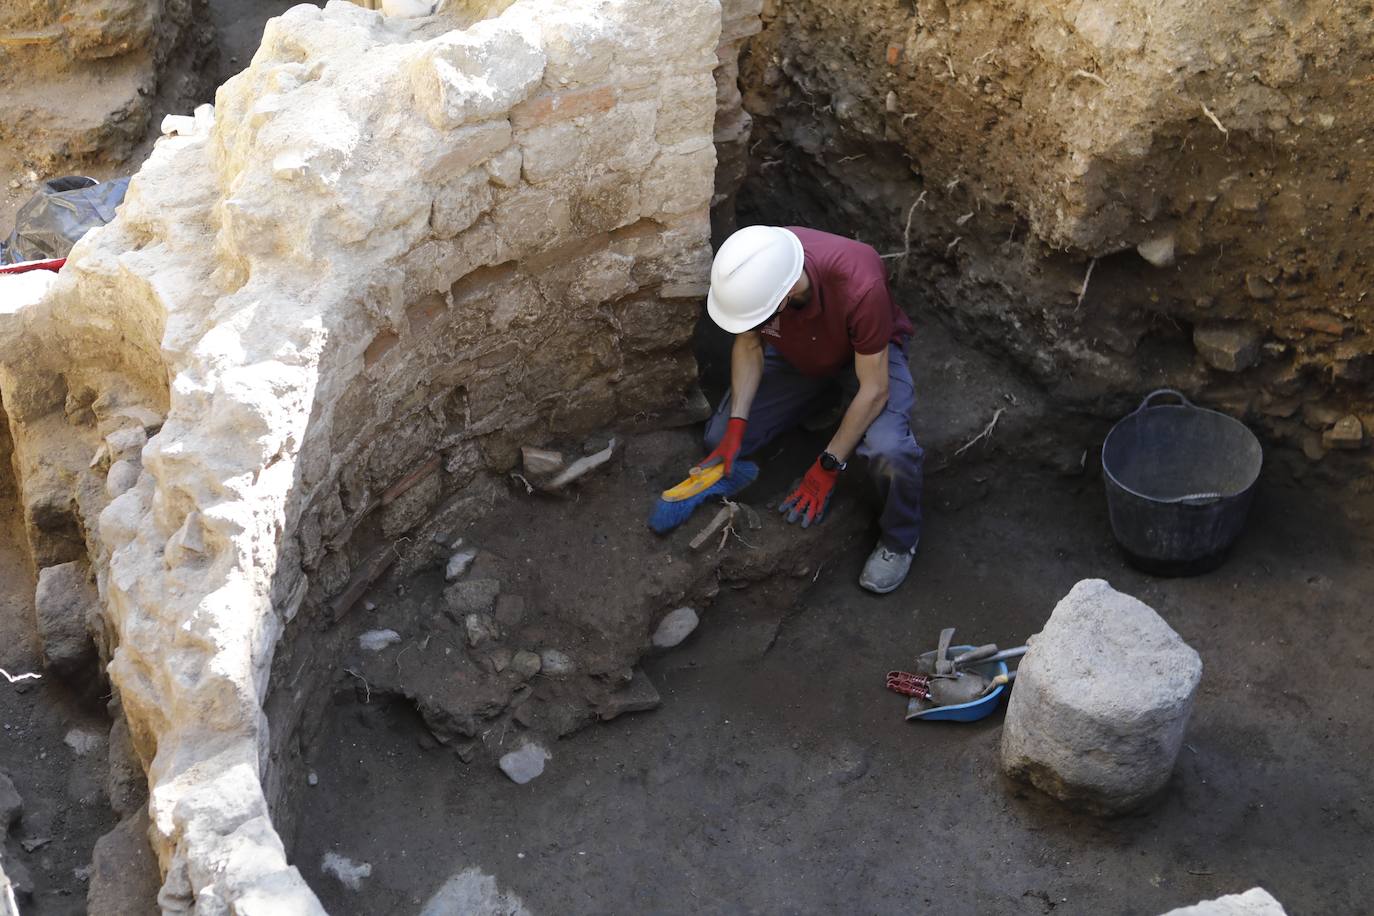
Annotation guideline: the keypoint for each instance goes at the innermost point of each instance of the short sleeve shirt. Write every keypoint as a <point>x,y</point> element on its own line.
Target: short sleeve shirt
<point>850,308</point>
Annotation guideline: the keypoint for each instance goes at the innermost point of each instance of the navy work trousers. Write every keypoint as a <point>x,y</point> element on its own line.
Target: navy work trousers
<point>895,461</point>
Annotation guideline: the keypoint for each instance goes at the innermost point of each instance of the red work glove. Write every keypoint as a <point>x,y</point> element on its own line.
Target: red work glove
<point>810,500</point>
<point>729,447</point>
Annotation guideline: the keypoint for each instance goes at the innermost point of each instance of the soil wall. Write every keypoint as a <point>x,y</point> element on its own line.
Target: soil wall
<point>319,331</point>
<point>1117,196</point>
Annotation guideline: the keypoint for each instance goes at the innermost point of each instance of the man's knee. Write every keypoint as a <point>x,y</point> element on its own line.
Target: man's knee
<point>892,448</point>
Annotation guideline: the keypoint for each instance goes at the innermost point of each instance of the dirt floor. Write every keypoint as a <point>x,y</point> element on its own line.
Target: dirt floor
<point>779,776</point>
<point>52,745</point>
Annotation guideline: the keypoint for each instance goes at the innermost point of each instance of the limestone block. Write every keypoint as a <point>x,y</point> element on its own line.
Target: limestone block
<point>459,203</point>
<point>549,150</point>
<point>1254,902</point>
<point>681,179</point>
<point>1101,702</point>
<point>63,602</point>
<point>1230,348</point>
<point>476,74</point>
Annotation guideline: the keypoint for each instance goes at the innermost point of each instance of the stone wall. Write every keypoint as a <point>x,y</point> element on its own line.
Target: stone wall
<point>333,320</point>
<point>1207,161</point>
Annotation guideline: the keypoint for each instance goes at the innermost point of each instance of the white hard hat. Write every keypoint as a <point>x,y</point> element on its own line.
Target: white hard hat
<point>752,273</point>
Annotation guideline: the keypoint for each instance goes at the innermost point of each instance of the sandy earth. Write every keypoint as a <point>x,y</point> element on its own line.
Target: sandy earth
<point>785,779</point>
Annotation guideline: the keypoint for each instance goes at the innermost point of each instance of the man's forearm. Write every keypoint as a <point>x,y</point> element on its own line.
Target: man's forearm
<point>746,371</point>
<point>863,410</point>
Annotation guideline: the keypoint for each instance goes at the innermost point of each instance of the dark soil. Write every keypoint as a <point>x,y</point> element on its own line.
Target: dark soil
<point>65,806</point>
<point>779,776</point>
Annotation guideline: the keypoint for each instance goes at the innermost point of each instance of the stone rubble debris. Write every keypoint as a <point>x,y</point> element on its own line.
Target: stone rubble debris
<point>84,741</point>
<point>481,629</point>
<point>1158,251</point>
<point>1101,703</point>
<point>675,626</point>
<point>472,596</point>
<point>458,564</point>
<point>1228,347</point>
<point>349,873</point>
<point>377,640</point>
<point>582,467</point>
<point>556,663</point>
<point>640,695</point>
<point>526,663</point>
<point>525,763</point>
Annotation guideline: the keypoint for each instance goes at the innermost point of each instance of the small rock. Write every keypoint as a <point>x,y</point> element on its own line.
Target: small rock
<point>369,605</point>
<point>525,764</point>
<point>526,663</point>
<point>555,663</point>
<point>83,741</point>
<point>458,564</point>
<point>1258,287</point>
<point>127,444</point>
<point>500,658</point>
<point>14,184</point>
<point>467,750</point>
<point>349,873</point>
<point>510,611</point>
<point>1347,433</point>
<point>480,629</point>
<point>1230,348</point>
<point>11,805</point>
<point>639,696</point>
<point>1158,251</point>
<point>121,479</point>
<point>675,627</point>
<point>377,640</point>
<point>541,461</point>
<point>312,778</point>
<point>473,596</point>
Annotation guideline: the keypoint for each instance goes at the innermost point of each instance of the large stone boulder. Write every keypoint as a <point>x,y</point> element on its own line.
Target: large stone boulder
<point>1101,702</point>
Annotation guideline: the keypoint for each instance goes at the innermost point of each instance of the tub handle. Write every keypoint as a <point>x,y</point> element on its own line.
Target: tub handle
<point>1194,499</point>
<point>1157,392</point>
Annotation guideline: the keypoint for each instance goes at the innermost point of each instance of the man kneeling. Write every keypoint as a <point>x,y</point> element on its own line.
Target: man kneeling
<point>808,308</point>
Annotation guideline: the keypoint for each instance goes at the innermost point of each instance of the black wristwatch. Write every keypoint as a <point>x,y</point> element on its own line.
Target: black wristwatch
<point>830,463</point>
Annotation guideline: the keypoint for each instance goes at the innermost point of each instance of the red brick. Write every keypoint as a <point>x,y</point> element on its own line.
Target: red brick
<point>563,106</point>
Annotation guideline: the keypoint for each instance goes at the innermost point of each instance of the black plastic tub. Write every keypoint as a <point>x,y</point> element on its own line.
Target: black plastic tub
<point>1180,479</point>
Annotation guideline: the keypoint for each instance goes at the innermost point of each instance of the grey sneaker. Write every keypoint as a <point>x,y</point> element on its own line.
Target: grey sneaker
<point>886,569</point>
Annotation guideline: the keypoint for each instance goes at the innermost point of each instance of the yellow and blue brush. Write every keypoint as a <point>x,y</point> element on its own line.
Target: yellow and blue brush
<point>677,504</point>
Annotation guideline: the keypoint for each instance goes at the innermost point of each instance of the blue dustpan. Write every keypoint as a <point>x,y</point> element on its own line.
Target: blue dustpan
<point>980,708</point>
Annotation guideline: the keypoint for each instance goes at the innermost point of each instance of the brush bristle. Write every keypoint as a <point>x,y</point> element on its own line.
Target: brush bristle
<point>669,515</point>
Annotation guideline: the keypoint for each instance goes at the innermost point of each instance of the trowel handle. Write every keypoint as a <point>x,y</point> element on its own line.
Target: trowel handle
<point>976,655</point>
<point>1008,653</point>
<point>998,682</point>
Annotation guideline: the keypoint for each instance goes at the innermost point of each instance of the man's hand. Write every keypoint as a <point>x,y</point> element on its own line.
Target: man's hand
<point>729,447</point>
<point>810,500</point>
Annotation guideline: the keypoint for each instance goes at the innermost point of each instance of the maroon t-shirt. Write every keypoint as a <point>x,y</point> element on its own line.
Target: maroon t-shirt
<point>850,310</point>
